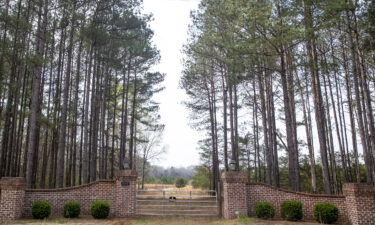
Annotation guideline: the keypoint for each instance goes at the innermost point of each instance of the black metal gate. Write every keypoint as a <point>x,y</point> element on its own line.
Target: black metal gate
<point>177,203</point>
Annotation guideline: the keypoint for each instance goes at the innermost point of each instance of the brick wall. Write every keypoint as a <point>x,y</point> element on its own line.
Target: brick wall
<point>357,205</point>
<point>84,194</point>
<point>234,194</point>
<point>12,192</point>
<point>259,192</point>
<point>16,201</point>
<point>126,190</point>
<point>360,203</point>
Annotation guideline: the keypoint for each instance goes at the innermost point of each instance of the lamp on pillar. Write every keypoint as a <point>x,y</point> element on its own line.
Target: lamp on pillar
<point>126,164</point>
<point>232,165</point>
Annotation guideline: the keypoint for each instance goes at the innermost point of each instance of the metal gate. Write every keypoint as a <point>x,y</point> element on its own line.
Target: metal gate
<point>177,203</point>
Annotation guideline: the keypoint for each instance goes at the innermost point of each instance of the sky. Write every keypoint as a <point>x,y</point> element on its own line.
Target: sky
<point>170,25</point>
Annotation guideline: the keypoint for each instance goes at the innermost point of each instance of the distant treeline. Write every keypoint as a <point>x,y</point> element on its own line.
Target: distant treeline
<point>160,175</point>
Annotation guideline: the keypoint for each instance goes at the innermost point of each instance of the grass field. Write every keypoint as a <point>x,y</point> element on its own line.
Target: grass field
<point>157,221</point>
<point>168,187</point>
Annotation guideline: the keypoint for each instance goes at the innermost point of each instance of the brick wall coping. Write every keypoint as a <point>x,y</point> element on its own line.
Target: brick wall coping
<point>12,183</point>
<point>358,189</point>
<point>297,192</point>
<point>234,177</point>
<point>71,188</point>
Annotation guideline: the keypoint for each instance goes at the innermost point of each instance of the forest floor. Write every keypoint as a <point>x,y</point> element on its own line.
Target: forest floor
<point>157,221</point>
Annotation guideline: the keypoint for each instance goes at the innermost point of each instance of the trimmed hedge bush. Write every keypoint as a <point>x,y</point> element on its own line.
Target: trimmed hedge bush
<point>291,210</point>
<point>100,209</point>
<point>71,209</point>
<point>326,213</point>
<point>41,210</point>
<point>264,210</point>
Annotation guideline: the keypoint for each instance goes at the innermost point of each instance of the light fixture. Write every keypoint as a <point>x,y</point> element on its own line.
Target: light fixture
<point>126,163</point>
<point>232,165</point>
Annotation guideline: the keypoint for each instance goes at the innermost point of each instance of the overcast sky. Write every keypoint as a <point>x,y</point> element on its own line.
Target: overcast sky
<point>171,20</point>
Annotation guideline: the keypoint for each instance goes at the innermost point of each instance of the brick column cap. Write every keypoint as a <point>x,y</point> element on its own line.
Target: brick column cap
<point>12,183</point>
<point>128,174</point>
<point>358,189</point>
<point>234,177</point>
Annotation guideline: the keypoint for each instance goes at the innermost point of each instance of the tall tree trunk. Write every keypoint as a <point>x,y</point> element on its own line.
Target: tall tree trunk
<point>351,114</point>
<point>339,128</point>
<point>114,127</point>
<point>366,95</point>
<point>35,94</point>
<point>225,118</point>
<point>267,149</point>
<point>85,165</point>
<point>330,141</point>
<point>256,138</point>
<point>45,148</point>
<point>95,116</point>
<point>359,103</point>
<point>292,151</point>
<point>64,110</point>
<point>310,145</point>
<point>272,126</point>
<point>317,93</point>
<point>75,123</point>
<point>236,136</point>
<point>132,121</point>
<point>124,114</point>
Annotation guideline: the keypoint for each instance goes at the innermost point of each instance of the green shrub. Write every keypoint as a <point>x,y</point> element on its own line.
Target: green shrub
<point>100,209</point>
<point>264,210</point>
<point>41,210</point>
<point>326,213</point>
<point>180,182</point>
<point>291,210</point>
<point>71,209</point>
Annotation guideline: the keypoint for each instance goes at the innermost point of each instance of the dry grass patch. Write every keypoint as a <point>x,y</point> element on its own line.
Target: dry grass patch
<point>209,221</point>
<point>177,220</point>
<point>169,187</point>
<point>86,220</point>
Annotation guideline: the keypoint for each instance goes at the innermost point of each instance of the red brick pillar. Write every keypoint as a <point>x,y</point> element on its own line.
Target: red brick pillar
<point>234,193</point>
<point>360,203</point>
<point>126,190</point>
<point>12,194</point>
